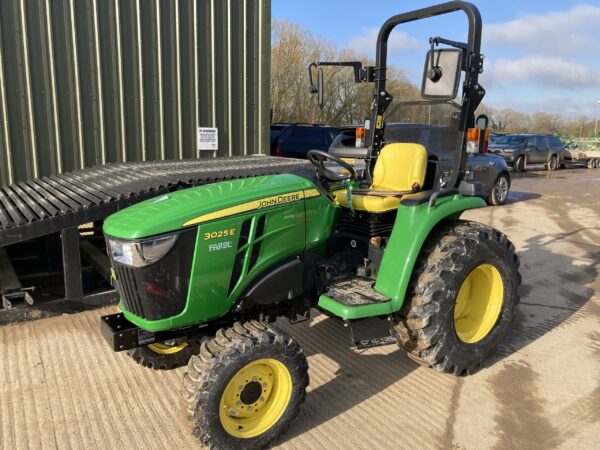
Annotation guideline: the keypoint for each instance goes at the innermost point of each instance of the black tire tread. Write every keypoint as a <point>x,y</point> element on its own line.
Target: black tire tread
<point>157,361</point>
<point>414,327</point>
<point>200,381</point>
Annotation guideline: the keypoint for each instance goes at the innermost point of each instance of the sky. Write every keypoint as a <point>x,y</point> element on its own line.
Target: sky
<point>539,55</point>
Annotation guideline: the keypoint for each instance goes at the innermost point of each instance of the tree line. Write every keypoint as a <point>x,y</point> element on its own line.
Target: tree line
<point>293,48</point>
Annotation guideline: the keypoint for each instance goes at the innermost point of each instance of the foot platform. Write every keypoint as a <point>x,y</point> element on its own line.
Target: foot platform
<point>355,291</point>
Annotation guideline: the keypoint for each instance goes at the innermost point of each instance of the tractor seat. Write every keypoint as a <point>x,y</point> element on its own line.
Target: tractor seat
<point>399,168</point>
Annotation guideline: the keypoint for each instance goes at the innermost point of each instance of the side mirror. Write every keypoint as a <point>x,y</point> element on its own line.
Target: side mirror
<point>441,75</point>
<point>318,87</point>
<point>312,89</point>
<point>320,90</point>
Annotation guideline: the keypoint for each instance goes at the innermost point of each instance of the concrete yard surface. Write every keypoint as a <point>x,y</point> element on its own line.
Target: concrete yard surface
<point>62,387</point>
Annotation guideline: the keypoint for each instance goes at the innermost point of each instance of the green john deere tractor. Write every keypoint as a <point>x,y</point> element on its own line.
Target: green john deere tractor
<point>203,271</point>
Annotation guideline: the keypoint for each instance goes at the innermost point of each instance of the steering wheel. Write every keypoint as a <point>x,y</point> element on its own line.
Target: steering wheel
<point>318,158</point>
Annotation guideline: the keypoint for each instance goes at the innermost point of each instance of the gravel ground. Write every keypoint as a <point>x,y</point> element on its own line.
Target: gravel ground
<point>62,387</point>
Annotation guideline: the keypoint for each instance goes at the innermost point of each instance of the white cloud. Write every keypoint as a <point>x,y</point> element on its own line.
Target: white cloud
<point>398,42</point>
<point>552,33</point>
<point>549,71</point>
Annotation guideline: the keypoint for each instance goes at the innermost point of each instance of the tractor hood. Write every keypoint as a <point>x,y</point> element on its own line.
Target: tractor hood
<point>186,208</point>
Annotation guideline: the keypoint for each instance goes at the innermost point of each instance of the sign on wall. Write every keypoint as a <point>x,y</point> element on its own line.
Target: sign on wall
<point>208,138</point>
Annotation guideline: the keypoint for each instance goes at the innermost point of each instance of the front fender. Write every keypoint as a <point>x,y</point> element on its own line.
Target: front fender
<point>411,228</point>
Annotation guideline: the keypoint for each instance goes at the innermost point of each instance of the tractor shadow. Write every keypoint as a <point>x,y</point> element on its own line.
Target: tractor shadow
<point>555,286</point>
<point>343,377</point>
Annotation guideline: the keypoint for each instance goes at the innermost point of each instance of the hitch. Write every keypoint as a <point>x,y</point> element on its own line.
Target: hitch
<point>122,335</point>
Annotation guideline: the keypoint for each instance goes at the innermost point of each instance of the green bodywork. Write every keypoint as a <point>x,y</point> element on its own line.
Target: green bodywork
<point>291,228</point>
<point>168,213</point>
<point>411,228</point>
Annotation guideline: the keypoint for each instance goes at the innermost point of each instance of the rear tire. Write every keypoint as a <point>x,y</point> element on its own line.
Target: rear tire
<point>499,192</point>
<point>165,356</point>
<point>519,165</point>
<point>222,388</point>
<point>426,325</point>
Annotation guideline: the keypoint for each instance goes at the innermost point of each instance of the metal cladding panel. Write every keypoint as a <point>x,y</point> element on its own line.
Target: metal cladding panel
<point>86,82</point>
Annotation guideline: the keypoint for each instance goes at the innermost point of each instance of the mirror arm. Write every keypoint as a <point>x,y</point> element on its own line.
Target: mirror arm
<point>440,40</point>
<point>361,74</point>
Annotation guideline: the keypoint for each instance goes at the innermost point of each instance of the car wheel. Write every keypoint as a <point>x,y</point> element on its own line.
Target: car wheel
<point>596,163</point>
<point>519,165</point>
<point>552,165</point>
<point>499,192</point>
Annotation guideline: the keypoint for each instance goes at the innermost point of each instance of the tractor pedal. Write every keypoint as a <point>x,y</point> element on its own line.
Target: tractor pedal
<point>370,332</point>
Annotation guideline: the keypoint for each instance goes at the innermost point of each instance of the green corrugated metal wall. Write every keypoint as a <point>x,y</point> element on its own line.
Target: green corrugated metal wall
<point>84,82</point>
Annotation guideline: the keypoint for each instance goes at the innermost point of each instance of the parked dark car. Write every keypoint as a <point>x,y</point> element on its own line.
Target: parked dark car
<point>494,137</point>
<point>519,150</point>
<point>491,171</point>
<point>276,129</point>
<point>296,140</point>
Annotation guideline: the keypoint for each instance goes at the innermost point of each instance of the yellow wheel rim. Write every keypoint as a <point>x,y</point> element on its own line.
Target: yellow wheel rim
<point>478,303</point>
<point>255,398</point>
<point>166,349</point>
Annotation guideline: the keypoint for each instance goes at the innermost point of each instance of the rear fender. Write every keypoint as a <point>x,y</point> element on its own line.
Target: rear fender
<point>412,227</point>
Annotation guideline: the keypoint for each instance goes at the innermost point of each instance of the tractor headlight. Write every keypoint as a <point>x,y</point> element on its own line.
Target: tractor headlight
<point>141,253</point>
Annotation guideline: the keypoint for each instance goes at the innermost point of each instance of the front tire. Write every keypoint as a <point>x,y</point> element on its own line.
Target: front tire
<point>461,299</point>
<point>165,355</point>
<point>245,387</point>
<point>499,192</point>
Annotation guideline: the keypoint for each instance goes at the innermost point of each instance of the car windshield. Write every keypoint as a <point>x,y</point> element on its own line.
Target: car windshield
<point>511,140</point>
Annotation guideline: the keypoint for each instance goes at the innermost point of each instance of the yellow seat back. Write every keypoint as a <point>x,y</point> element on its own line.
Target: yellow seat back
<point>399,166</point>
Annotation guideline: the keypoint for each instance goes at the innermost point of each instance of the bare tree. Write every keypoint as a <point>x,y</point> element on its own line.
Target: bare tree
<point>345,102</point>
<point>294,48</point>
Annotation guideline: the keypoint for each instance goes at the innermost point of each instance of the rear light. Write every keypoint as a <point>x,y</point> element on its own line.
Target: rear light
<point>361,134</point>
<point>278,152</point>
<point>473,135</point>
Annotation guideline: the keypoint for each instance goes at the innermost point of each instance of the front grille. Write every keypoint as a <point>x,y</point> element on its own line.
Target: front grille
<point>159,290</point>
<point>128,290</point>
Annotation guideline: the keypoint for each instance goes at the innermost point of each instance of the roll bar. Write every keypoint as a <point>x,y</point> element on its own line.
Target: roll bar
<point>472,65</point>
<point>472,92</point>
